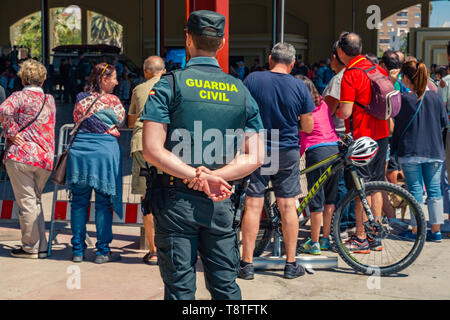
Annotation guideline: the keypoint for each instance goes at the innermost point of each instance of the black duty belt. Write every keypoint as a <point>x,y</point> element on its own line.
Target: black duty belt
<point>168,181</point>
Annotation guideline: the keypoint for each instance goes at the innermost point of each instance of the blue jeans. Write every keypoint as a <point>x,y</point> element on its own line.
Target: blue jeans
<point>81,199</point>
<point>429,173</point>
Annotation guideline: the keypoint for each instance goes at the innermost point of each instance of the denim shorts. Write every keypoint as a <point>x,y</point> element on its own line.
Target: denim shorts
<point>285,181</point>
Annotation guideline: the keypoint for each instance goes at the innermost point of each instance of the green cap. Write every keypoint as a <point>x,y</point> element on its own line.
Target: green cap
<point>201,19</point>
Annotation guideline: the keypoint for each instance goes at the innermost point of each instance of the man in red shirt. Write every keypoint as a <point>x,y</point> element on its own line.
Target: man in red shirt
<point>356,92</point>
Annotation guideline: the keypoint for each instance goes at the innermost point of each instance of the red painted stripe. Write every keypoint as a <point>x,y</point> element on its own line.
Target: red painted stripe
<point>61,210</point>
<point>7,209</point>
<point>131,213</point>
<point>89,210</point>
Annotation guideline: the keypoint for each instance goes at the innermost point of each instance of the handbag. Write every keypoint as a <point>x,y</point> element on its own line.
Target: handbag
<point>59,172</point>
<point>5,150</point>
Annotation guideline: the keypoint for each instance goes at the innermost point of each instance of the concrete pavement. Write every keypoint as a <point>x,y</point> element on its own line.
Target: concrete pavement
<point>56,277</point>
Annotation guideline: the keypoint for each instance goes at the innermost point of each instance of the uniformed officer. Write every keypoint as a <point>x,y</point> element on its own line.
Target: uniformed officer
<point>193,120</point>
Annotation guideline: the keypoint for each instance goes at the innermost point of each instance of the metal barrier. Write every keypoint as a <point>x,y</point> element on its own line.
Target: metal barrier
<point>131,206</point>
<point>8,208</point>
<point>61,200</point>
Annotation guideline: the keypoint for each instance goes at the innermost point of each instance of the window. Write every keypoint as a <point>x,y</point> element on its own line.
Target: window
<point>385,40</point>
<point>417,15</point>
<point>389,24</point>
<point>402,14</point>
<point>402,23</point>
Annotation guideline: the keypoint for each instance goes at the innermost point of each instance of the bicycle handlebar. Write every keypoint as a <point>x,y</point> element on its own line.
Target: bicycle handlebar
<point>347,139</point>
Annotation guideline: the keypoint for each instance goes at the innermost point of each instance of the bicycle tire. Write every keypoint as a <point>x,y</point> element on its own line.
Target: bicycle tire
<point>411,256</point>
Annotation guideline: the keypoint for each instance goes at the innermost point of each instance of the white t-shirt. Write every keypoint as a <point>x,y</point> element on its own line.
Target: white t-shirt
<point>333,89</point>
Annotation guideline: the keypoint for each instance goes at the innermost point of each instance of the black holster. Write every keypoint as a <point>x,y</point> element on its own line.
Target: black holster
<point>239,201</point>
<point>150,174</point>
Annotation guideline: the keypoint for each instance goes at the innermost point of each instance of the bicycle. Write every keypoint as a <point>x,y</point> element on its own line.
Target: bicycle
<point>398,252</point>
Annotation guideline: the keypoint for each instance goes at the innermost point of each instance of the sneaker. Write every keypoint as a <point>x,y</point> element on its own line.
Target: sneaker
<point>110,257</point>
<point>434,236</point>
<point>20,253</point>
<point>408,235</point>
<point>77,259</point>
<point>374,243</point>
<point>325,244</point>
<point>292,271</point>
<point>247,272</point>
<point>311,247</point>
<point>356,245</point>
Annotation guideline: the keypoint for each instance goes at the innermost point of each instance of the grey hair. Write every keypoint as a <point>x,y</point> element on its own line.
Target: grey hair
<point>283,52</point>
<point>154,64</point>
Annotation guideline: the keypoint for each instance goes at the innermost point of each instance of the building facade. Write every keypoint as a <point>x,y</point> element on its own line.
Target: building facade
<point>393,30</point>
<point>312,26</point>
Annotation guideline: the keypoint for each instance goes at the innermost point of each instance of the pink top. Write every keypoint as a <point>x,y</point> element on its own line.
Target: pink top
<point>16,112</point>
<point>324,129</point>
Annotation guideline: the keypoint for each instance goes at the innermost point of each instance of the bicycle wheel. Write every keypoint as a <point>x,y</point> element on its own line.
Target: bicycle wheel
<point>265,231</point>
<point>397,251</point>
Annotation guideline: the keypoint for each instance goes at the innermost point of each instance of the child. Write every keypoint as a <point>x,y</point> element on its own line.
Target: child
<point>318,145</point>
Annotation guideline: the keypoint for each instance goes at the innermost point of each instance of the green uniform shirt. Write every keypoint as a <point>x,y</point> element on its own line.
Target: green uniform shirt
<point>160,106</point>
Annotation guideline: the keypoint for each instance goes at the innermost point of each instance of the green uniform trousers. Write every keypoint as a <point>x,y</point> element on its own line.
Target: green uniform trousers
<point>187,221</point>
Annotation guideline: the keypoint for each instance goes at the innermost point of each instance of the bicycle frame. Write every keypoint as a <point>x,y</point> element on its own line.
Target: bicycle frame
<point>337,162</point>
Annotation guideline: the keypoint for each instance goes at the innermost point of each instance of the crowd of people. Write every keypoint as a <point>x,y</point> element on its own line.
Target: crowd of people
<point>186,207</point>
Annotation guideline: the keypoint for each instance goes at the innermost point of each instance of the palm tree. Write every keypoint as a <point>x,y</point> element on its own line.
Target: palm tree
<point>30,35</point>
<point>105,30</point>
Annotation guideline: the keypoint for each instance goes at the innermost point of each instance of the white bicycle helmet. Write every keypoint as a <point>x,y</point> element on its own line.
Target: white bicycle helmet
<point>362,151</point>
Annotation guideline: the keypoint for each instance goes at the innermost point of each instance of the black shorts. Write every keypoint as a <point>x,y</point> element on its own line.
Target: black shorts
<point>375,170</point>
<point>285,180</point>
<point>329,192</point>
<point>393,164</point>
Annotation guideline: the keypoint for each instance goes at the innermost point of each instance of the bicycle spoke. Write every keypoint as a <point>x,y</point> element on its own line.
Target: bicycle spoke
<point>394,251</point>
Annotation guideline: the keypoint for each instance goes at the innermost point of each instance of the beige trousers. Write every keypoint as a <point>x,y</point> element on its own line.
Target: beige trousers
<point>28,182</point>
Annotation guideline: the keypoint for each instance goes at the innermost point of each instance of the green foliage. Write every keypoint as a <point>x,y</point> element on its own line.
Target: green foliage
<point>30,35</point>
<point>67,30</point>
<point>105,30</point>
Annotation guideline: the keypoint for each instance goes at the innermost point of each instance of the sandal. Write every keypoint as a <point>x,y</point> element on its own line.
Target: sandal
<point>148,258</point>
